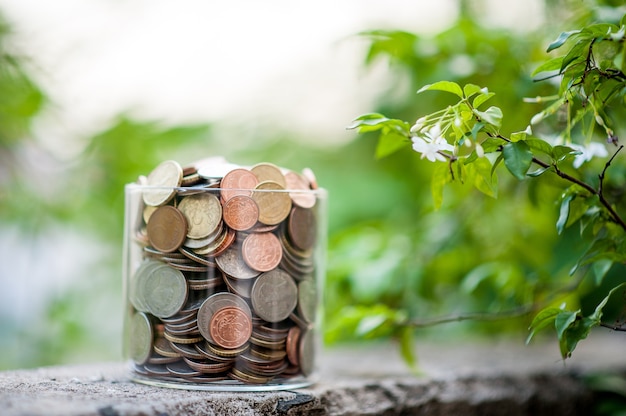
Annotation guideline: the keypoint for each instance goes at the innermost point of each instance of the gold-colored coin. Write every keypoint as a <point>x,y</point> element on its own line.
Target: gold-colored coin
<point>273,201</point>
<point>182,339</point>
<point>163,180</point>
<point>203,213</point>
<point>269,172</point>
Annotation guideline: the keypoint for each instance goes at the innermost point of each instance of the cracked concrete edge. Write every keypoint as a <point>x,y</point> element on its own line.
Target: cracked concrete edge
<point>62,391</point>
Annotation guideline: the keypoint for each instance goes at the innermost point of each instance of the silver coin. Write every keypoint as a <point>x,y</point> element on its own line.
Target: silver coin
<point>274,295</point>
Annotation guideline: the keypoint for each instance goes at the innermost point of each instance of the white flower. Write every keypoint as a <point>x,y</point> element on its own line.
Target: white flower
<point>419,125</point>
<point>430,143</point>
<point>587,152</point>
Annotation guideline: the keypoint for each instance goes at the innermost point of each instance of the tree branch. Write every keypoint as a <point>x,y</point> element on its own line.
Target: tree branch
<point>613,327</point>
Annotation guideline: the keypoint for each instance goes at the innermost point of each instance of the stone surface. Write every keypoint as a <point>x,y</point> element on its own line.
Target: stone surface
<point>469,378</point>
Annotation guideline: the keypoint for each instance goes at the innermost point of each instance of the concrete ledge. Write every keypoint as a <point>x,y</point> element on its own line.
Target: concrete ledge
<point>485,378</point>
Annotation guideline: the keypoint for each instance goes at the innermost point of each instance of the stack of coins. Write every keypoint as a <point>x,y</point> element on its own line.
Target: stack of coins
<point>225,288</point>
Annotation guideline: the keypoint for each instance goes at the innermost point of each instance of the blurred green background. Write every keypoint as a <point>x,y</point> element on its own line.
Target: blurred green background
<point>391,255</point>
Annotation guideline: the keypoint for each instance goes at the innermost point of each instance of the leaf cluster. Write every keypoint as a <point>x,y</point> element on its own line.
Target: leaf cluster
<point>588,103</point>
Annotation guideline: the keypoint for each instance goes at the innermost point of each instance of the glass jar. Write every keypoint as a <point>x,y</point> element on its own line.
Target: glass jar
<point>223,281</point>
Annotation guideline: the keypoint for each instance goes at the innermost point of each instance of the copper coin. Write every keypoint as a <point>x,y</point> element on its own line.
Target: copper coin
<point>203,213</point>
<point>167,229</point>
<point>293,339</point>
<point>230,327</point>
<point>269,172</point>
<point>241,212</point>
<point>273,201</point>
<point>226,242</point>
<point>310,176</point>
<point>262,251</point>
<point>163,180</point>
<point>299,190</point>
<point>238,182</point>
<point>274,295</point>
<point>212,305</point>
<point>302,227</point>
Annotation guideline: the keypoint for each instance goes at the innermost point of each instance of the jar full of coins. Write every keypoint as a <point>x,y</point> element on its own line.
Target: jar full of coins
<point>223,275</point>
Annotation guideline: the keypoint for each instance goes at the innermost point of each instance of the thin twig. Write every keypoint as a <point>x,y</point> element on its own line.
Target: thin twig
<point>496,316</point>
<point>613,327</point>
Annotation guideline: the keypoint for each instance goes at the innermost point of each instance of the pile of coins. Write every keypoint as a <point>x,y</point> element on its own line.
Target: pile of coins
<point>224,290</point>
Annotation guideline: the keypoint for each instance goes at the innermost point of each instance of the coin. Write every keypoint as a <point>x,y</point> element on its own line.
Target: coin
<point>181,339</point>
<point>137,282</point>
<point>167,229</point>
<point>164,178</point>
<point>208,366</point>
<point>302,227</point>
<point>307,300</point>
<point>299,190</point>
<point>187,350</point>
<point>230,327</point>
<point>269,172</point>
<point>293,339</point>
<point>203,348</point>
<point>274,203</point>
<point>165,291</point>
<point>307,352</point>
<point>164,347</point>
<point>262,251</point>
<point>212,305</point>
<point>274,295</point>
<point>238,182</point>
<point>181,369</point>
<point>203,213</point>
<point>241,212</point>
<point>241,287</point>
<point>142,337</point>
<point>247,377</point>
<point>232,263</point>
<point>310,176</point>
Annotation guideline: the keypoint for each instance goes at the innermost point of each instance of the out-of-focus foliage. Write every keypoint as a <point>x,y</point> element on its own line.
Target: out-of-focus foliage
<point>516,280</point>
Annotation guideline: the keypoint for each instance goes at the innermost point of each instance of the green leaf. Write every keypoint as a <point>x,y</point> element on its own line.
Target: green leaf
<point>600,269</point>
<point>540,146</point>
<point>483,179</point>
<point>407,347</point>
<point>564,212</point>
<point>538,172</point>
<point>471,89</point>
<point>492,144</point>
<point>563,321</point>
<point>596,316</point>
<point>577,53</point>
<point>481,99</point>
<point>389,143</point>
<point>492,115</point>
<point>544,318</point>
<point>561,40</point>
<point>447,86</point>
<point>517,158</point>
<point>560,153</point>
<point>441,176</point>
<point>578,331</point>
<point>550,65</point>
